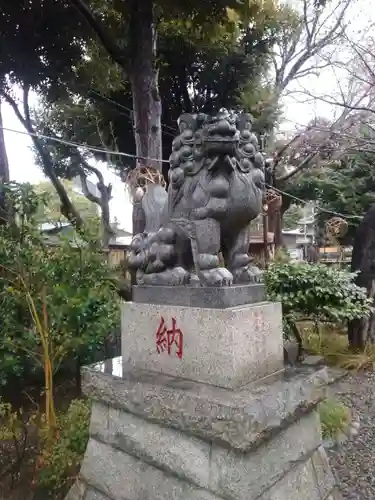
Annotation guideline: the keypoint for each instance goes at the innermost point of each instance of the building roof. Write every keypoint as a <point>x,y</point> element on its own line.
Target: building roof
<point>52,230</point>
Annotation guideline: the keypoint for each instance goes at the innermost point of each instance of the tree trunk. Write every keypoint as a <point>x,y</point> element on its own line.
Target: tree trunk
<point>4,165</point>
<point>4,173</point>
<point>278,236</point>
<point>275,227</point>
<point>143,74</point>
<point>105,219</point>
<point>362,330</point>
<point>138,60</point>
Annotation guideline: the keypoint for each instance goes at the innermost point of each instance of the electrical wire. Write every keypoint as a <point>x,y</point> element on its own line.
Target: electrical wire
<point>82,145</point>
<point>304,202</point>
<point>130,111</point>
<point>128,155</point>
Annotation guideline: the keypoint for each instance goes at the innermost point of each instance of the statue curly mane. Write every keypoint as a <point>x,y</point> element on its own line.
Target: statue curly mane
<point>216,184</point>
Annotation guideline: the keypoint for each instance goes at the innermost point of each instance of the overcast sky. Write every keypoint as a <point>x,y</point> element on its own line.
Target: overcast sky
<point>23,169</point>
<point>21,161</point>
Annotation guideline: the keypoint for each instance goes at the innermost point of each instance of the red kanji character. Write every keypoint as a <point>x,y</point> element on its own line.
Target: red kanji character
<point>165,338</point>
<point>162,337</point>
<point>175,336</point>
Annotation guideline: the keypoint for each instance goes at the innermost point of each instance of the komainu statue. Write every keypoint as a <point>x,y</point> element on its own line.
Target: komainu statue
<point>216,186</point>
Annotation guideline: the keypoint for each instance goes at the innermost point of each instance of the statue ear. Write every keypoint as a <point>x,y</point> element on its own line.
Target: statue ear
<point>187,120</point>
<point>200,119</point>
<point>244,120</point>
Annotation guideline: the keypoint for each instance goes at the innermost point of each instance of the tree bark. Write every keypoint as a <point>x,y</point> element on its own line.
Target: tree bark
<point>4,165</point>
<point>143,74</point>
<point>138,60</point>
<point>276,223</point>
<point>362,330</point>
<point>4,175</point>
<point>102,201</point>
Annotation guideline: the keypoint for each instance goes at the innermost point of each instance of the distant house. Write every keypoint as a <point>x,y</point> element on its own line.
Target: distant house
<point>302,235</point>
<point>294,238</point>
<point>54,231</point>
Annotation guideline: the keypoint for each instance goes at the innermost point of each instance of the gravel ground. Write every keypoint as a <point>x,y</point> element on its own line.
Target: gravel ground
<point>354,461</point>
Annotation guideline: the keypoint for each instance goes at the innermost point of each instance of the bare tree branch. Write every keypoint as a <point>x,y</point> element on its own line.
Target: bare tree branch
<point>67,207</point>
<point>299,168</point>
<point>308,42</point>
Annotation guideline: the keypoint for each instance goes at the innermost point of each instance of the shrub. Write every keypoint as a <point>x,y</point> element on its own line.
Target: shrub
<point>13,440</point>
<point>58,463</point>
<point>316,291</point>
<point>60,302</point>
<point>27,451</point>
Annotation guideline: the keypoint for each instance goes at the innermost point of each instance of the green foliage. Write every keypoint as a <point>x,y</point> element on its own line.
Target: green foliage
<point>281,256</point>
<point>335,348</point>
<point>73,290</point>
<point>291,217</point>
<point>334,418</point>
<point>58,464</point>
<point>207,60</point>
<point>10,426</point>
<point>317,291</point>
<point>49,208</point>
<point>341,178</point>
<point>39,43</point>
<point>24,439</point>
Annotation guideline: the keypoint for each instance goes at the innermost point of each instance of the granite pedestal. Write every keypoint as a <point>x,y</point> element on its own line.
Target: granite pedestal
<point>226,347</point>
<point>221,421</point>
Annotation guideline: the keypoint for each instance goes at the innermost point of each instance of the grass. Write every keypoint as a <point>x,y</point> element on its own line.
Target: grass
<point>333,345</point>
<point>334,417</point>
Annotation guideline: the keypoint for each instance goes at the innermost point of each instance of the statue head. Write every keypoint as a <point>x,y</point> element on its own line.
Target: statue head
<point>205,139</point>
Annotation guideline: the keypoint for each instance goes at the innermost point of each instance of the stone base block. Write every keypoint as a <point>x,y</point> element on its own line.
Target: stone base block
<point>225,347</point>
<point>212,297</point>
<point>161,438</point>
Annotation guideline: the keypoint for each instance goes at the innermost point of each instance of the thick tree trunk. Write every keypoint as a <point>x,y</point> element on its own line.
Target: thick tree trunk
<point>143,74</point>
<point>276,226</point>
<point>139,62</point>
<point>4,174</point>
<point>362,331</point>
<point>4,165</point>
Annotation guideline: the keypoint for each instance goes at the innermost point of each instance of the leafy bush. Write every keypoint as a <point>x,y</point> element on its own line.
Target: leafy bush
<point>281,256</point>
<point>58,463</point>
<point>60,302</point>
<point>334,418</point>
<point>317,291</point>
<point>27,453</point>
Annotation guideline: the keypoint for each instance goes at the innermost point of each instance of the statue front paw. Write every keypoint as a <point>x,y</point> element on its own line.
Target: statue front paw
<point>169,277</point>
<point>219,276</point>
<point>248,274</point>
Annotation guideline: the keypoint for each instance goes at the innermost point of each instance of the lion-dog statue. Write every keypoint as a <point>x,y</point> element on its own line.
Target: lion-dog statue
<point>216,186</point>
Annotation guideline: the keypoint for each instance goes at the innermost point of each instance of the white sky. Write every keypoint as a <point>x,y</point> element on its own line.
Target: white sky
<point>23,169</point>
<point>21,161</point>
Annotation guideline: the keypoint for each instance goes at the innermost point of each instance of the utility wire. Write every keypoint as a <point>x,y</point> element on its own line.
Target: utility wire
<point>130,111</point>
<point>78,145</point>
<point>304,202</point>
<point>128,155</point>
